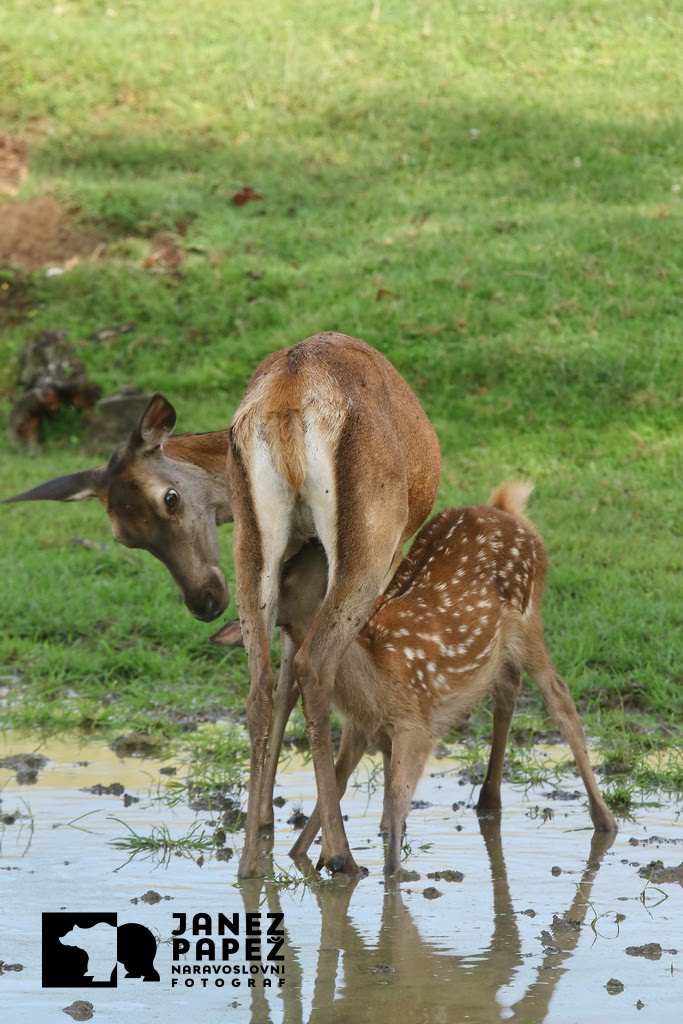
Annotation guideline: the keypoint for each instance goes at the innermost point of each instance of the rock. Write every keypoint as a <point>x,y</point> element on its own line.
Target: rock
<point>50,379</point>
<point>116,416</point>
<point>556,871</point>
<point>279,801</point>
<point>614,986</point>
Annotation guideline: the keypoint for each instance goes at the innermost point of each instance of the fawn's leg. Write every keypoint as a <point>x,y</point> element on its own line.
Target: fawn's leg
<point>361,555</point>
<point>384,823</point>
<point>409,752</point>
<point>505,691</point>
<point>352,746</point>
<point>563,711</point>
<point>285,697</point>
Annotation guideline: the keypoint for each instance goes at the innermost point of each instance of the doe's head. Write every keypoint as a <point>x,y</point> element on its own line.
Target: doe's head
<point>157,503</point>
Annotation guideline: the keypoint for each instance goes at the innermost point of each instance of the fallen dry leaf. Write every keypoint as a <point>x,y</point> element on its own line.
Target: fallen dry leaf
<point>246,195</point>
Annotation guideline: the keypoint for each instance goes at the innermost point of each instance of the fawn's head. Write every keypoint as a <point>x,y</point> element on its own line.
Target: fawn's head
<point>157,503</point>
<point>303,585</point>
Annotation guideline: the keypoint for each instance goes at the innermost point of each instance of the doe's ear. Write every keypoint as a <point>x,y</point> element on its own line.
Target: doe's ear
<point>229,635</point>
<point>89,483</point>
<point>156,424</point>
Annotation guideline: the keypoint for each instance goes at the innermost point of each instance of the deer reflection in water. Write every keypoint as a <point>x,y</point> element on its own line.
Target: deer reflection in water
<point>405,977</point>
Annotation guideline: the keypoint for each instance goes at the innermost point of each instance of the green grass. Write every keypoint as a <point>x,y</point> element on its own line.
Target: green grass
<point>506,177</point>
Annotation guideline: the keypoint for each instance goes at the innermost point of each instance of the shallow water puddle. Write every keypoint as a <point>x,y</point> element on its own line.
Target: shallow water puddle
<point>530,932</point>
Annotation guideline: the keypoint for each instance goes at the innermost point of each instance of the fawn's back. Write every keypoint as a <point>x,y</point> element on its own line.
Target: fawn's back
<point>458,603</point>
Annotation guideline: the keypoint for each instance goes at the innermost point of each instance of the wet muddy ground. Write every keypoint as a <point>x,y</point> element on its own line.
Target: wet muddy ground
<point>527,918</point>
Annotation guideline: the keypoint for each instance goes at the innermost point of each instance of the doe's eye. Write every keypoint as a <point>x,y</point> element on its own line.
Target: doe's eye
<point>171,500</point>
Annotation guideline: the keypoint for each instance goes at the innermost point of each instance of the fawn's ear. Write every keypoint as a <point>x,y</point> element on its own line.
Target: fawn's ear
<point>229,635</point>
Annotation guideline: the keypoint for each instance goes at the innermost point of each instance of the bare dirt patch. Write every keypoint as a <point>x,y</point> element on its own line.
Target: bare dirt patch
<point>13,163</point>
<point>38,232</point>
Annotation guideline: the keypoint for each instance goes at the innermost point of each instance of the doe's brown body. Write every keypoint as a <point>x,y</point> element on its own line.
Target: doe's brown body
<point>329,442</point>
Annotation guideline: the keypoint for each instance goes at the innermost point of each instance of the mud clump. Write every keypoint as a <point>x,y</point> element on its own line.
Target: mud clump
<point>81,1009</point>
<point>614,986</point>
<point>432,893</point>
<point>25,767</point>
<point>135,744</point>
<point>113,789</point>
<point>150,897</point>
<point>37,232</point>
<point>297,818</point>
<point>652,841</point>
<point>17,296</point>
<point>657,873</point>
<point>10,967</point>
<point>446,876</point>
<point>403,875</point>
<point>13,163</point>
<point>650,951</point>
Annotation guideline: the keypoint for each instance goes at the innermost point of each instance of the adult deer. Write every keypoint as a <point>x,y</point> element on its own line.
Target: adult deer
<point>331,442</point>
<point>165,494</point>
<point>461,617</point>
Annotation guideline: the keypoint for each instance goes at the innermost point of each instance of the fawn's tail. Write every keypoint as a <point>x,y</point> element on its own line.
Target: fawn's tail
<point>511,496</point>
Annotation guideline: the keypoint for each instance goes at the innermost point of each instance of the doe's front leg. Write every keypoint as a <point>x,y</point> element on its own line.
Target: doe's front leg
<point>285,697</point>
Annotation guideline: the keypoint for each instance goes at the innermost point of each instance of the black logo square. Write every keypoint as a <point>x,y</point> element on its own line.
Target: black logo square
<point>82,950</point>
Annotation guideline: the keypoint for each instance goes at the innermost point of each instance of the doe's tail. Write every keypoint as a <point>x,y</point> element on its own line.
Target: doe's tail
<point>284,432</point>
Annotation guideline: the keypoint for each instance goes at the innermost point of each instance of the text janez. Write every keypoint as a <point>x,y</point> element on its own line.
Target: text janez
<point>227,947</point>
